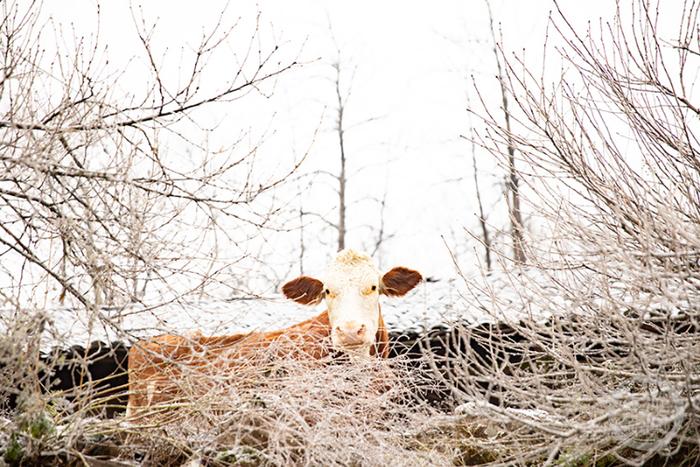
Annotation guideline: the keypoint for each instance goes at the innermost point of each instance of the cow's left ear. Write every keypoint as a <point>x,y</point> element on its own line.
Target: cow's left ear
<point>304,289</point>
<point>399,281</point>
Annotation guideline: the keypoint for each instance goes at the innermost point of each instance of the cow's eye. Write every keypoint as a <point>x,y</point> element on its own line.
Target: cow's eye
<point>369,290</point>
<point>328,292</point>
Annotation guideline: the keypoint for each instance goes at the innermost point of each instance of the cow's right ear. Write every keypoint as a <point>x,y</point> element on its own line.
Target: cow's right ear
<point>399,281</point>
<point>304,289</point>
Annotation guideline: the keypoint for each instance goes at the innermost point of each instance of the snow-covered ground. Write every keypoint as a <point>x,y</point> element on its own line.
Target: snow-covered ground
<point>528,294</point>
<point>430,304</point>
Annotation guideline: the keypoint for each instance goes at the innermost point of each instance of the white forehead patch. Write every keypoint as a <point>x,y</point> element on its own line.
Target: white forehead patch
<point>350,266</point>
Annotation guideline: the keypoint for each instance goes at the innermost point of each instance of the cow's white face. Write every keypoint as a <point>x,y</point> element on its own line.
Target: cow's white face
<point>351,291</point>
<point>351,288</point>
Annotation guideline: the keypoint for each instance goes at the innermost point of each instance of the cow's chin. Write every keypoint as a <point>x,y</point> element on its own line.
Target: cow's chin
<point>355,350</point>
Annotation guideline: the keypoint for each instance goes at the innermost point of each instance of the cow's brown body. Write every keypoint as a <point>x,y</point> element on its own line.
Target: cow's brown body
<point>157,365</point>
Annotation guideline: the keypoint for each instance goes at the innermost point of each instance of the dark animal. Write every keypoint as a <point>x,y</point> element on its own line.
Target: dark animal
<point>450,359</point>
<point>96,376</point>
<point>465,360</point>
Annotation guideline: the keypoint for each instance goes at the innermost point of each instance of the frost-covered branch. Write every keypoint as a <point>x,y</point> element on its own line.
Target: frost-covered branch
<point>606,347</point>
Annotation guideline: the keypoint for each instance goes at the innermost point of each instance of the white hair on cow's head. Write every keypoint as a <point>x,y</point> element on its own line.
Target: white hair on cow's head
<point>352,257</point>
<point>353,266</point>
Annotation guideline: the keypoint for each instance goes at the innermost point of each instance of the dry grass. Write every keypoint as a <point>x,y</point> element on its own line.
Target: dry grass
<point>281,412</point>
<point>291,412</point>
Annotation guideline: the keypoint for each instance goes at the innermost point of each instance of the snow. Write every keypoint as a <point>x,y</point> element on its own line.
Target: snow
<point>430,304</point>
<point>504,296</point>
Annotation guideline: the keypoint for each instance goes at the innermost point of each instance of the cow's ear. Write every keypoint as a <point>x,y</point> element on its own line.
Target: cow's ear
<point>399,281</point>
<point>304,289</point>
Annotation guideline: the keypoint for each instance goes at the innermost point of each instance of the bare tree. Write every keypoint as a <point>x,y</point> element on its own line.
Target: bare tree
<point>109,192</point>
<point>485,238</point>
<point>512,184</point>
<point>345,172</point>
<point>342,173</point>
<point>95,195</point>
<point>342,98</point>
<point>605,355</point>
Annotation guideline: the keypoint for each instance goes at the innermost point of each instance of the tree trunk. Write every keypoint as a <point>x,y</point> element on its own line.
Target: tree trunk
<point>342,180</point>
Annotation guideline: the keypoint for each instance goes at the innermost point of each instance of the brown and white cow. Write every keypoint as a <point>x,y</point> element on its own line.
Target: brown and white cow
<point>352,324</point>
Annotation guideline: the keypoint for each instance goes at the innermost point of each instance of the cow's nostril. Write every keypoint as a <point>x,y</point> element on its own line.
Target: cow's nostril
<point>361,331</point>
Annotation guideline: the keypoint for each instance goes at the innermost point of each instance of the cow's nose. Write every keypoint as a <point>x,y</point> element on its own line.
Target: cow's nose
<point>351,333</point>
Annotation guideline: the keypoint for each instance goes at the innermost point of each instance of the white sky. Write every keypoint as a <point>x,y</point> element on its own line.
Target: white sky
<point>412,60</point>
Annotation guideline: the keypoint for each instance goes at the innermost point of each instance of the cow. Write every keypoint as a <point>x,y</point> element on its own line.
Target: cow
<point>92,377</point>
<point>96,374</point>
<point>459,358</point>
<point>351,325</point>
